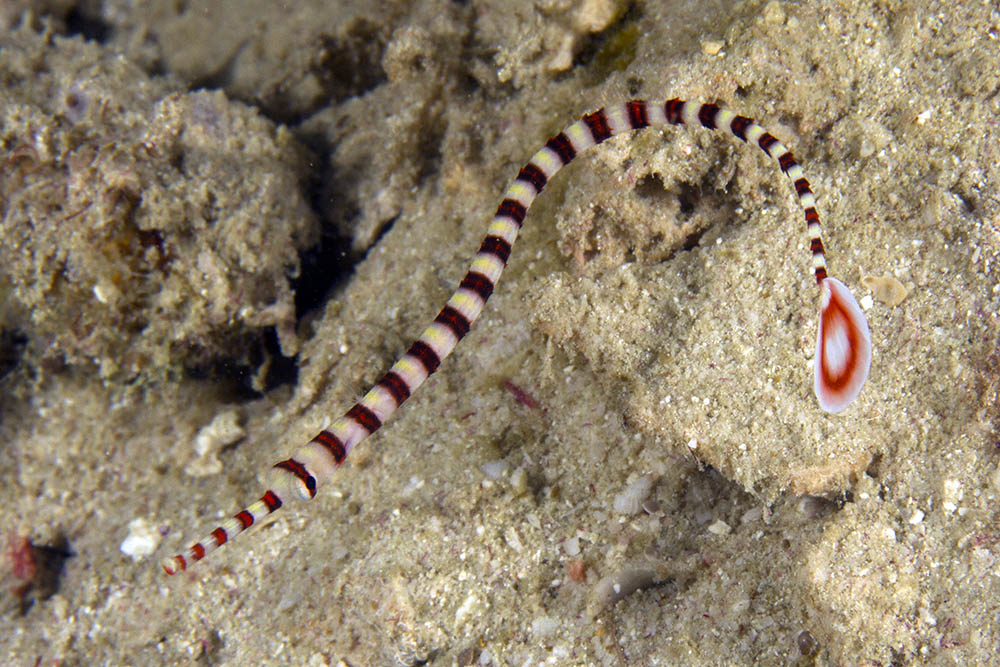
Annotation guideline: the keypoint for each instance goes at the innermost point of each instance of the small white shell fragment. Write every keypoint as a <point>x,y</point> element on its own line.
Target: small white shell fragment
<point>513,540</point>
<point>494,469</point>
<point>719,527</point>
<point>739,606</point>
<point>652,507</point>
<point>629,501</point>
<point>471,607</point>
<point>142,540</point>
<point>519,481</point>
<point>572,546</point>
<point>106,292</point>
<point>915,517</point>
<point>711,47</point>
<point>774,13</point>
<point>926,616</point>
<point>952,494</point>
<point>224,430</point>
<point>544,626</point>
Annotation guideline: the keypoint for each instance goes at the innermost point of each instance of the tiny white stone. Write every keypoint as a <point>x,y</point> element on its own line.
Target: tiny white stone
<point>513,540</point>
<point>915,517</point>
<point>494,469</point>
<point>413,485</point>
<point>142,540</point>
<point>629,501</point>
<point>572,546</point>
<point>720,527</point>
<point>224,430</point>
<point>952,494</point>
<point>472,606</point>
<point>711,47</point>
<point>544,626</point>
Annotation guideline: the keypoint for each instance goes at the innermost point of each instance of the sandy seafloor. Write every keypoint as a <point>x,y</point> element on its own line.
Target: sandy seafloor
<point>653,331</point>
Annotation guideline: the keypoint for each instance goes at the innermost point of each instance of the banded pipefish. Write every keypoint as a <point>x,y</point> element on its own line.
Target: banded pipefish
<point>843,343</point>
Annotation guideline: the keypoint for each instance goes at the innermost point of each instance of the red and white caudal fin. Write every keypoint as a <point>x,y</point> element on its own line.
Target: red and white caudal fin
<point>843,347</point>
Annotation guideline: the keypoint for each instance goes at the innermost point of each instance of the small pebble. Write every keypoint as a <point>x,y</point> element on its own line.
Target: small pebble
<point>807,645</point>
<point>630,500</point>
<point>952,494</point>
<point>544,626</point>
<point>494,469</point>
<point>224,430</point>
<point>720,527</point>
<point>886,289</point>
<point>142,540</point>
<point>774,13</point>
<point>652,507</point>
<point>572,546</point>
<point>711,47</point>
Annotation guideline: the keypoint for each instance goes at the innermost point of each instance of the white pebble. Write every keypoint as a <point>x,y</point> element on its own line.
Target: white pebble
<point>519,481</point>
<point>472,607</point>
<point>494,469</point>
<point>629,501</point>
<point>142,540</point>
<point>720,527</point>
<point>224,430</point>
<point>572,546</point>
<point>711,47</point>
<point>916,517</point>
<point>513,540</point>
<point>544,626</point>
<point>952,494</point>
